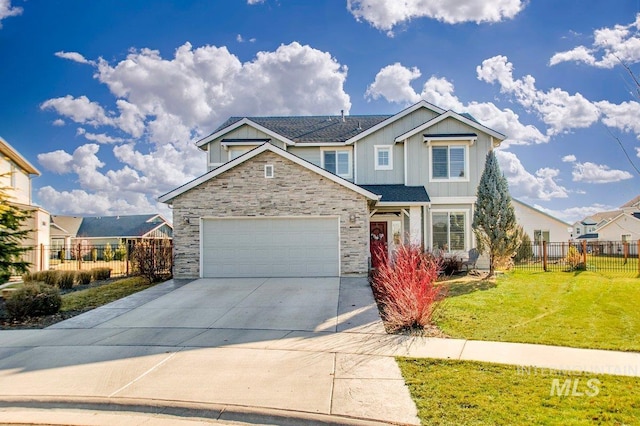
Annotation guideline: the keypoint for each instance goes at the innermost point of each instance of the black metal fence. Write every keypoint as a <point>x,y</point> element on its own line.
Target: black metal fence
<point>122,259</point>
<point>622,256</point>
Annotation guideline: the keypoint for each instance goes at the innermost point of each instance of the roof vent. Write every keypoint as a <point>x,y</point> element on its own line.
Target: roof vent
<point>342,114</point>
<point>359,126</point>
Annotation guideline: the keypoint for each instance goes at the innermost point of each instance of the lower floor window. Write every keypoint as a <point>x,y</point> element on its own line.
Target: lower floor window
<point>448,230</point>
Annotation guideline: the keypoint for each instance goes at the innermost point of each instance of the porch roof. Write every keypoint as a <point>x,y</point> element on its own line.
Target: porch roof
<point>399,193</point>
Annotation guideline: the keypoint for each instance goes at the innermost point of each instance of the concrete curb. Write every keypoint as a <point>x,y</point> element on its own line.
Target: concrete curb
<point>179,410</point>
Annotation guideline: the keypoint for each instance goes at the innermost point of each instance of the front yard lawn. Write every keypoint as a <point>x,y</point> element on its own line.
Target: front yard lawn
<point>80,299</point>
<point>450,392</point>
<point>581,309</point>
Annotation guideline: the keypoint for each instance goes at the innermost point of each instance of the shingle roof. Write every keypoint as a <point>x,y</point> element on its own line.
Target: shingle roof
<point>67,225</point>
<point>399,193</point>
<point>118,226</point>
<point>631,202</point>
<point>314,129</point>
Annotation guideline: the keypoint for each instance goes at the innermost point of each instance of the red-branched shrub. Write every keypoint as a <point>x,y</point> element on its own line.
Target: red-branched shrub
<point>405,288</point>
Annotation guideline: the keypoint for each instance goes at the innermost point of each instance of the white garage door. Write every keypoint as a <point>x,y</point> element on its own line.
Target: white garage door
<point>270,247</point>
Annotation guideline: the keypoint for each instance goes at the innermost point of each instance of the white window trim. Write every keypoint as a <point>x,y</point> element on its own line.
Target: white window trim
<point>467,227</point>
<point>376,151</point>
<point>339,149</point>
<point>269,171</point>
<point>462,144</point>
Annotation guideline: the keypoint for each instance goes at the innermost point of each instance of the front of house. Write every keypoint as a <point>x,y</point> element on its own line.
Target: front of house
<point>315,196</point>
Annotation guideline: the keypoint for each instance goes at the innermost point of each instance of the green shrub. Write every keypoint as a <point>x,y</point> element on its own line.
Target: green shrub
<point>101,273</point>
<point>84,277</point>
<point>94,254</point>
<point>525,251</point>
<point>107,255</point>
<point>32,300</point>
<point>62,255</point>
<point>66,279</point>
<point>121,252</point>
<point>48,277</point>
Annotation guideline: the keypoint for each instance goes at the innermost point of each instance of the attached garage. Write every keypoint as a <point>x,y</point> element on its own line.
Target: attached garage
<point>269,213</point>
<point>270,247</point>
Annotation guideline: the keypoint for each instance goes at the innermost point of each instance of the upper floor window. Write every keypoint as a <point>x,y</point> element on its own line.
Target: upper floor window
<point>540,235</point>
<point>337,162</point>
<point>449,162</point>
<point>383,157</point>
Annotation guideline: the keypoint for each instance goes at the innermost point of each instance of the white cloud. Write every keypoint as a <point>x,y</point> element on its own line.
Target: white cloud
<point>241,39</point>
<point>81,110</point>
<point>74,56</point>
<point>558,109</point>
<point>573,214</point>
<point>610,47</point>
<point>252,2</point>
<point>58,122</point>
<point>56,161</point>
<point>522,184</point>
<point>569,158</point>
<point>97,137</point>
<point>386,14</point>
<point>393,83</point>
<point>596,173</point>
<point>6,10</point>
<point>165,104</point>
<point>638,152</point>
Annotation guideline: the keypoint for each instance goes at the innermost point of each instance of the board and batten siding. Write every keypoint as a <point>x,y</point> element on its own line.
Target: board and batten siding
<point>217,154</point>
<point>309,153</point>
<point>365,162</point>
<point>419,160</point>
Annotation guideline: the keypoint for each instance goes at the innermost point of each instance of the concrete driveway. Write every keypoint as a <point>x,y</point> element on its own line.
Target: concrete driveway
<point>293,350</point>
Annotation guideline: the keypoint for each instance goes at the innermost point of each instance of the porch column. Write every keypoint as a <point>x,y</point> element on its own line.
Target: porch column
<point>415,224</point>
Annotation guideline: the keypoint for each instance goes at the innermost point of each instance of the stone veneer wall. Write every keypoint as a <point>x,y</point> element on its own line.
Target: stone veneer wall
<point>293,191</point>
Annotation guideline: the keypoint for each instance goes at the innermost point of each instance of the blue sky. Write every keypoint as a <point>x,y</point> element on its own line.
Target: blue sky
<point>107,98</point>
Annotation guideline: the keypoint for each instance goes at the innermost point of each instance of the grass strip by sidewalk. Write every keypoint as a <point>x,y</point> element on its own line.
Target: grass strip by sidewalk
<point>582,309</point>
<point>90,298</point>
<point>448,392</point>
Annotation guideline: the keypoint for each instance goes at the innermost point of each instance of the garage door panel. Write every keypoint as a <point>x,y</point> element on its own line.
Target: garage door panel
<point>276,247</point>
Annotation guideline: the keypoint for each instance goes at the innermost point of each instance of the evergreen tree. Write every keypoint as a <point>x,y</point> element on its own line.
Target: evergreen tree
<point>494,220</point>
<point>11,235</point>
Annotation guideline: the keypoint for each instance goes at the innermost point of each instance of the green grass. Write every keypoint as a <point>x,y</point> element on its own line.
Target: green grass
<point>472,393</point>
<point>97,296</point>
<point>582,309</point>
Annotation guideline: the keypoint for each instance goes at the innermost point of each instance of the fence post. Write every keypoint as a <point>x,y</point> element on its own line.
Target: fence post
<point>625,251</point>
<point>638,253</point>
<point>544,255</point>
<point>79,256</point>
<point>584,253</point>
<point>41,266</point>
<point>127,258</point>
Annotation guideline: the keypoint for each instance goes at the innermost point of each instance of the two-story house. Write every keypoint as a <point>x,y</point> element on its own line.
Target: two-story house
<point>315,196</point>
<point>17,172</point>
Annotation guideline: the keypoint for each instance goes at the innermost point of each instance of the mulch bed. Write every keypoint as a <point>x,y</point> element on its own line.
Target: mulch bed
<point>45,321</point>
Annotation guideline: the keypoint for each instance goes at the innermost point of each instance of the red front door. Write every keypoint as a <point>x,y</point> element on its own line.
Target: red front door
<point>378,243</point>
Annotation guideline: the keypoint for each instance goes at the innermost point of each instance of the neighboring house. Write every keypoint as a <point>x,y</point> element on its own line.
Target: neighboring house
<point>541,226</point>
<point>69,231</point>
<point>311,196</point>
<point>17,173</point>
<point>622,224</point>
